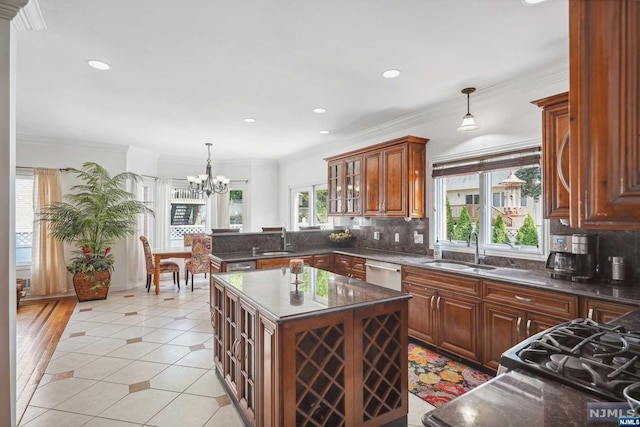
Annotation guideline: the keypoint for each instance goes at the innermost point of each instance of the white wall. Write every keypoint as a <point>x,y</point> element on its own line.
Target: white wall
<point>504,112</point>
<point>263,202</point>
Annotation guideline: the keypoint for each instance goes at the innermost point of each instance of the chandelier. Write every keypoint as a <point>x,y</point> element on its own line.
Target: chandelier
<point>207,183</point>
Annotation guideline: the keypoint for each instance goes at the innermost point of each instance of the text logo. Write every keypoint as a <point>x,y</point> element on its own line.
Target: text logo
<point>602,412</point>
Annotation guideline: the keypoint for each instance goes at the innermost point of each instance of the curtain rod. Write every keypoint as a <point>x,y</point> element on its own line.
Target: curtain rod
<point>146,176</point>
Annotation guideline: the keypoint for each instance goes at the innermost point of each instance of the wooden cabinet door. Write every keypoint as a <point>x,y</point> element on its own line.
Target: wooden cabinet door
<point>459,327</point>
<point>263,264</point>
<point>604,311</point>
<point>218,323</point>
<point>555,140</point>
<point>231,341</point>
<point>539,322</point>
<point>373,185</point>
<point>501,332</point>
<point>604,105</point>
<point>246,360</point>
<point>334,194</point>
<point>416,171</point>
<point>394,184</point>
<point>421,308</point>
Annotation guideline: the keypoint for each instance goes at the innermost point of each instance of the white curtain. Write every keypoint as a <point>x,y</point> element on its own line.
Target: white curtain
<point>48,270</point>
<point>162,214</point>
<point>222,210</point>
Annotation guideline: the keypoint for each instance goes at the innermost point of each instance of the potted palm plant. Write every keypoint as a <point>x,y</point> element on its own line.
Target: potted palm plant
<point>96,214</point>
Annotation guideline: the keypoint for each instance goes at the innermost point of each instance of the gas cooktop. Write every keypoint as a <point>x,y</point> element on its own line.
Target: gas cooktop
<point>597,358</point>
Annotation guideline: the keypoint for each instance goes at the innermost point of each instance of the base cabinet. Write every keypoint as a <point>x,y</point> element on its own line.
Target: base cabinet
<point>448,320</point>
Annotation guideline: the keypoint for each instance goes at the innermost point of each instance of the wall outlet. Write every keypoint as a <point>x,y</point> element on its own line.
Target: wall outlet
<point>397,237</point>
<point>376,235</point>
<point>418,238</point>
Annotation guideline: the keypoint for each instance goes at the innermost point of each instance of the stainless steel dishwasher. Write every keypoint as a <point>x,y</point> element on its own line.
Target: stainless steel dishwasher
<point>384,274</point>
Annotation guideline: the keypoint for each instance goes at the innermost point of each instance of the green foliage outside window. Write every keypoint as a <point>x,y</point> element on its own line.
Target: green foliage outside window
<point>528,233</point>
<point>532,186</point>
<point>463,227</point>
<point>450,224</point>
<point>500,234</point>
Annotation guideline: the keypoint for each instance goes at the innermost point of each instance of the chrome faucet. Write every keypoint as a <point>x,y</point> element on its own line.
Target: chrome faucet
<point>284,239</point>
<point>477,257</point>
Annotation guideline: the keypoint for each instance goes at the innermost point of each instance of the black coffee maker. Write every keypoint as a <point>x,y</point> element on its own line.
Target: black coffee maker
<point>573,257</point>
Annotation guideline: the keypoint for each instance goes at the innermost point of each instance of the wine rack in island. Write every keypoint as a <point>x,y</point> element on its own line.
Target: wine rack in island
<point>344,365</point>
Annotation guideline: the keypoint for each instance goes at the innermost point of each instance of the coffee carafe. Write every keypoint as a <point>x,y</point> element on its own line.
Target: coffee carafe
<point>573,257</point>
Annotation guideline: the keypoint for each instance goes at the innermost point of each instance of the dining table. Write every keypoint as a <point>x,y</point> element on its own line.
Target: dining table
<point>164,253</point>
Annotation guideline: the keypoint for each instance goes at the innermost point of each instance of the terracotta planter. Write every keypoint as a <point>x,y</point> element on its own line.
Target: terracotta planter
<point>92,285</point>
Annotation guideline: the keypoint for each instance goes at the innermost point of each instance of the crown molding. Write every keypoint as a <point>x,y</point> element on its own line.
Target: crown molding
<point>10,8</point>
<point>214,162</point>
<point>30,18</point>
<point>24,139</point>
<point>548,75</point>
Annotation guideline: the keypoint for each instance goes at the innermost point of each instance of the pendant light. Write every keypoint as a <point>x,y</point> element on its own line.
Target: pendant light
<point>468,122</point>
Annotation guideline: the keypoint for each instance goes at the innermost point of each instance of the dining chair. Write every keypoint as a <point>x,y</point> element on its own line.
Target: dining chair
<point>199,261</point>
<point>188,238</point>
<point>165,266</point>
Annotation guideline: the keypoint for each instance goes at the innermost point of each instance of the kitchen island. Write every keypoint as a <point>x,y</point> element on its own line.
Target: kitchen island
<point>329,350</point>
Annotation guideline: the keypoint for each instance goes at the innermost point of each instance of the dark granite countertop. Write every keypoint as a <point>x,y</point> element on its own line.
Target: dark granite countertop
<point>274,292</point>
<point>515,399</point>
<point>629,294</point>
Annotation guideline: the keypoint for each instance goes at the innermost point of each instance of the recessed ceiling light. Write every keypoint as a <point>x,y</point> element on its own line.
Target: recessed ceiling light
<point>319,110</point>
<point>98,65</point>
<point>249,120</point>
<point>532,1</point>
<point>391,74</point>
<point>325,132</point>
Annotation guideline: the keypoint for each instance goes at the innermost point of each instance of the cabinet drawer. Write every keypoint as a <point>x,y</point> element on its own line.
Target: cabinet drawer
<point>323,261</point>
<point>357,264</point>
<point>541,301</point>
<point>438,280</point>
<point>603,311</point>
<point>342,261</point>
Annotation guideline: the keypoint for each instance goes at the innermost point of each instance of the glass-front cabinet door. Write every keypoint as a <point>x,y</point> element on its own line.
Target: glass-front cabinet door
<point>352,199</point>
<point>334,199</point>
<point>344,187</point>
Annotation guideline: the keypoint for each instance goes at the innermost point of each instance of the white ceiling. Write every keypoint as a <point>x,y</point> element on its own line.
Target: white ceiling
<point>187,72</point>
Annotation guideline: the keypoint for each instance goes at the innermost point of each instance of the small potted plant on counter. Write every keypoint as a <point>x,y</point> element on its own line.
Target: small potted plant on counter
<point>342,239</point>
<point>96,214</point>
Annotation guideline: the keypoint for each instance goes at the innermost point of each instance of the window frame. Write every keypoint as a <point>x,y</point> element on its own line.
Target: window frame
<point>486,195</point>
<point>312,189</point>
<point>244,187</point>
<point>23,173</point>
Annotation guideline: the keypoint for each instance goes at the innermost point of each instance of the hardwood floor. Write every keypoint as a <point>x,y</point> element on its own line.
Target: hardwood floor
<point>39,325</point>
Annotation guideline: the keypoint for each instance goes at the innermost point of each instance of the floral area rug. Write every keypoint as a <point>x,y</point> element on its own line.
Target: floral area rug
<point>437,379</point>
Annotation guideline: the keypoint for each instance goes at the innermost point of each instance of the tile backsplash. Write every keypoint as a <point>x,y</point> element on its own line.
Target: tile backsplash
<point>367,229</point>
<point>624,243</point>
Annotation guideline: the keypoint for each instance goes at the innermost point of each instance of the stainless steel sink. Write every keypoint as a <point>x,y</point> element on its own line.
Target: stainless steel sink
<point>277,253</point>
<point>459,265</point>
<point>449,265</point>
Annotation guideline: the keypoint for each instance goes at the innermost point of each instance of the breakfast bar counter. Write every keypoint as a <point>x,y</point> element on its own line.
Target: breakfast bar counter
<point>328,350</point>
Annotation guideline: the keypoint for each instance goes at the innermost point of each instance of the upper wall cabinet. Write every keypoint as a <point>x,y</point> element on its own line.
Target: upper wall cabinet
<point>390,184</point>
<point>604,109</point>
<point>555,140</point>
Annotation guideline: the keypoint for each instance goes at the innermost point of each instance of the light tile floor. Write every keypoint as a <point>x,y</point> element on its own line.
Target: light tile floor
<point>140,359</point>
